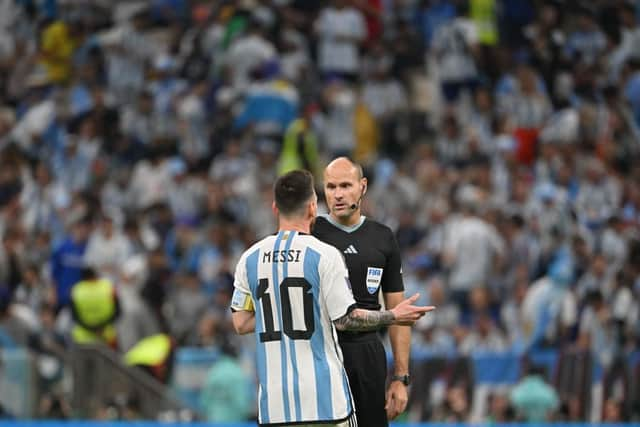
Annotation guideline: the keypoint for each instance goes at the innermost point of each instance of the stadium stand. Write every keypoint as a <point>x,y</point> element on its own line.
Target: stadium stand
<point>500,137</point>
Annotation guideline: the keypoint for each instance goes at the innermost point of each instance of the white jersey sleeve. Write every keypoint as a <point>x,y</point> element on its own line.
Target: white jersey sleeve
<point>336,288</point>
<point>241,299</point>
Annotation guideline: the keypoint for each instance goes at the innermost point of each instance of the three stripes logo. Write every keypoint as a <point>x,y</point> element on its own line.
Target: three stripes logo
<point>351,250</point>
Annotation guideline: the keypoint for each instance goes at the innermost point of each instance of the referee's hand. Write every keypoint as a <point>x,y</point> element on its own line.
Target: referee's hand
<point>406,314</point>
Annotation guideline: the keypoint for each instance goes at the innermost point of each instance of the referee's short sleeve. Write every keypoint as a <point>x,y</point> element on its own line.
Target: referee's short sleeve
<point>335,285</point>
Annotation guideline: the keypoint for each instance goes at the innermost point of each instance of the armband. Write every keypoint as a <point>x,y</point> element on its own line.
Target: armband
<point>241,301</point>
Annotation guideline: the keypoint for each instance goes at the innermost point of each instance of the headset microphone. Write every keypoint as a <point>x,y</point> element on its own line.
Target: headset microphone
<point>355,205</point>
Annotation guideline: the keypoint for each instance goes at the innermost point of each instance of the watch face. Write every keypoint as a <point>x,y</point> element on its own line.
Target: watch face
<point>404,379</point>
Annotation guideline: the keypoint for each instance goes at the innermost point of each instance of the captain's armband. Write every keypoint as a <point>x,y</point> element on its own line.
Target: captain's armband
<point>241,301</point>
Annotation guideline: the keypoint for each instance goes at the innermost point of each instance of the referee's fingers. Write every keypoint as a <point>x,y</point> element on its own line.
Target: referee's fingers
<point>396,409</point>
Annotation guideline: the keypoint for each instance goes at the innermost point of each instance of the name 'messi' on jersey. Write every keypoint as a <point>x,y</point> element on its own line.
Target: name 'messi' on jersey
<point>289,255</point>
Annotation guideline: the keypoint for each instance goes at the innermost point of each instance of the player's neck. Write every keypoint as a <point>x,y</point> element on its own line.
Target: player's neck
<point>301,226</point>
<point>348,221</point>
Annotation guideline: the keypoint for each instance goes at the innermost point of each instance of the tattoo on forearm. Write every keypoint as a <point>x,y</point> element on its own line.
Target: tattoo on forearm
<point>364,320</point>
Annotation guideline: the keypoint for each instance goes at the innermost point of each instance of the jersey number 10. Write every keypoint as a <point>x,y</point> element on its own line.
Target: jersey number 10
<point>270,333</point>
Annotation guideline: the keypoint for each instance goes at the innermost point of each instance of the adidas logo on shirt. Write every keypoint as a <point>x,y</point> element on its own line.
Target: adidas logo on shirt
<point>350,250</point>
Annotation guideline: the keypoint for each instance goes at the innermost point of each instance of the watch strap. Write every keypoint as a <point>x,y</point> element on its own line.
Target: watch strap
<point>404,379</point>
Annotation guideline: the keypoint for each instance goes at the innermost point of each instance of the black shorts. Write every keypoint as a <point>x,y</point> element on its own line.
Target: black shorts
<point>366,364</point>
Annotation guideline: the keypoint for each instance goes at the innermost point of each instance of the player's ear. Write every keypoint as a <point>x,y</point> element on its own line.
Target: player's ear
<point>312,208</point>
<point>274,208</point>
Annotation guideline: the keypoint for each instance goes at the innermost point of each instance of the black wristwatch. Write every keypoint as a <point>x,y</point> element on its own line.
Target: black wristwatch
<point>404,379</point>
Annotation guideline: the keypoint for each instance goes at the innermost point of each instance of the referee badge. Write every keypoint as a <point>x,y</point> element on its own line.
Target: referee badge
<point>374,277</point>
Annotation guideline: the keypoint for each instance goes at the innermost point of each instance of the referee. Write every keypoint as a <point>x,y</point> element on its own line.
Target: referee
<point>373,260</point>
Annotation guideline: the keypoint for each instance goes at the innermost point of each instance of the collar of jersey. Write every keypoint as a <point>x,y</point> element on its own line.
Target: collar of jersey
<point>345,228</point>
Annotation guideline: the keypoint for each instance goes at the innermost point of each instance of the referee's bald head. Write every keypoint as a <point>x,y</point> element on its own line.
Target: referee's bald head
<point>345,163</point>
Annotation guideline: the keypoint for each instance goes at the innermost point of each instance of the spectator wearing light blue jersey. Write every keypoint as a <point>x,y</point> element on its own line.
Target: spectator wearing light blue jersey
<point>534,399</point>
<point>227,395</point>
<point>270,106</point>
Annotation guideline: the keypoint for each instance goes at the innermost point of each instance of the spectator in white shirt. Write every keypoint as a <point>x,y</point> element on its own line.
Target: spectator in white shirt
<point>127,50</point>
<point>473,248</point>
<point>452,48</point>
<point>587,42</point>
<point>340,29</point>
<point>150,181</point>
<point>383,94</point>
<point>247,53</point>
<point>484,337</point>
<point>108,247</point>
<point>139,120</point>
<point>598,196</point>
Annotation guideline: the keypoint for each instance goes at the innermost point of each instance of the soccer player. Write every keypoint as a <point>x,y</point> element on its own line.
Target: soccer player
<point>294,292</point>
<point>373,259</point>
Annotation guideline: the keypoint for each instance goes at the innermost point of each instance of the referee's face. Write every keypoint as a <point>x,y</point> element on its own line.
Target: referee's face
<point>343,191</point>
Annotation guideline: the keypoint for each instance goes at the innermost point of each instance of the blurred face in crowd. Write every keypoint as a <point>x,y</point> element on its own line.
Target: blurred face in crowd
<point>586,22</point>
<point>484,324</point>
<point>483,100</point>
<point>627,17</point>
<point>548,15</point>
<point>107,226</point>
<point>527,79</point>
<point>42,175</point>
<point>436,292</point>
<point>599,265</point>
<point>612,411</point>
<point>479,298</point>
<point>218,236</point>
<point>7,120</point>
<point>499,405</point>
<point>344,187</point>
<point>145,103</point>
<point>450,126</point>
<point>81,231</point>
<point>340,4</point>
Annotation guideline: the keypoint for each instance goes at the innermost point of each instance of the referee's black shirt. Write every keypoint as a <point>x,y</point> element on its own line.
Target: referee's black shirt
<point>372,255</point>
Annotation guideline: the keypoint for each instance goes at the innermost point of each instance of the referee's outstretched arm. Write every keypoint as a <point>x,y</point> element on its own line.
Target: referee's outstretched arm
<point>405,313</point>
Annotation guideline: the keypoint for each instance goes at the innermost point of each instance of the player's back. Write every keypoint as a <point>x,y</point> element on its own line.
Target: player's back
<point>298,285</point>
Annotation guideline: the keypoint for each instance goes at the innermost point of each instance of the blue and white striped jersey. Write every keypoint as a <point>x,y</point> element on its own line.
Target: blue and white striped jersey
<point>297,285</point>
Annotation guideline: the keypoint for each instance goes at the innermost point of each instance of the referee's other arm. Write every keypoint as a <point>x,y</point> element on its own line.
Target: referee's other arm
<point>400,337</point>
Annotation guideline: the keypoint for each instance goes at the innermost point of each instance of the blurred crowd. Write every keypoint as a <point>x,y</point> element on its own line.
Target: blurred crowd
<point>139,141</point>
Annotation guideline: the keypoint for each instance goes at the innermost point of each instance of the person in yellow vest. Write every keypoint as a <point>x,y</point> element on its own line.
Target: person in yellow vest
<point>58,42</point>
<point>483,13</point>
<point>95,308</point>
<point>300,145</point>
<point>153,354</point>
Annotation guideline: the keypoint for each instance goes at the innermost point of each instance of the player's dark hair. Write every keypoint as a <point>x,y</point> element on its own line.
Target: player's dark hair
<point>292,191</point>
